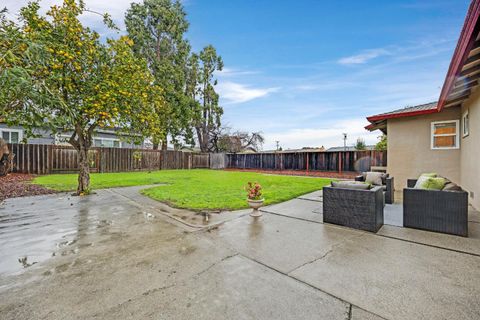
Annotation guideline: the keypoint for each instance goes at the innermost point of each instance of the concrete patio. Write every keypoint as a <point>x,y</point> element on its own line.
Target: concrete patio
<point>119,255</point>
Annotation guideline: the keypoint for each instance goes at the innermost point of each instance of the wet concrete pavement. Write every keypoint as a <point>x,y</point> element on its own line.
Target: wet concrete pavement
<point>117,255</point>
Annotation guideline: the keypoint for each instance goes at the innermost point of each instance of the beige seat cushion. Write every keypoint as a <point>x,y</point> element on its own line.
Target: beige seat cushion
<point>350,185</point>
<point>450,186</point>
<point>374,178</point>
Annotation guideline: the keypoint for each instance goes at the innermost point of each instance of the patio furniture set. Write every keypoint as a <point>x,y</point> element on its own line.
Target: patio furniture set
<point>360,204</point>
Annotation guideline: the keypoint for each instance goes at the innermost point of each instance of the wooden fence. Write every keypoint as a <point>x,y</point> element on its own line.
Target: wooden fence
<point>354,161</point>
<point>45,159</point>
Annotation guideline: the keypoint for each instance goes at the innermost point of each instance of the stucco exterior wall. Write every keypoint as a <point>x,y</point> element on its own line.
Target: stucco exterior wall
<point>410,153</point>
<point>470,151</point>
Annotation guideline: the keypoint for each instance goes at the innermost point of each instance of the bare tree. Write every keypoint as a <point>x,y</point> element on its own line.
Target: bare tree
<point>223,140</point>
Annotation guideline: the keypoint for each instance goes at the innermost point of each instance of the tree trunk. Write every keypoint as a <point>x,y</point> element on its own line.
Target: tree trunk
<point>205,137</point>
<point>164,144</point>
<point>155,142</point>
<point>81,140</point>
<point>84,171</point>
<point>202,138</point>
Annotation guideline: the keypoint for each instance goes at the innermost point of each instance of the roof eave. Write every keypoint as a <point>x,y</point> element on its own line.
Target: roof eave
<point>464,45</point>
<point>400,115</point>
<point>372,127</point>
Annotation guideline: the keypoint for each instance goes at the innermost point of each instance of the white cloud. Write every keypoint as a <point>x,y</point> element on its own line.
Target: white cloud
<point>327,137</point>
<point>231,72</point>
<point>234,92</point>
<point>364,57</point>
<point>410,51</point>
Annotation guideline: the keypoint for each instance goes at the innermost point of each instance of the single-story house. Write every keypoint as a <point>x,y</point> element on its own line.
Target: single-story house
<point>102,137</point>
<point>442,136</point>
<point>349,148</point>
<point>304,149</point>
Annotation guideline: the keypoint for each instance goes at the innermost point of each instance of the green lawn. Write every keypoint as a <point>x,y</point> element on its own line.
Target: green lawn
<point>196,189</point>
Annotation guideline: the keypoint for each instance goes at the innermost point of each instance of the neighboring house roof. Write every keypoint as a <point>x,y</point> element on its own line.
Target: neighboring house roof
<point>249,150</point>
<point>115,131</point>
<point>462,76</point>
<point>304,149</point>
<point>189,148</point>
<point>348,148</point>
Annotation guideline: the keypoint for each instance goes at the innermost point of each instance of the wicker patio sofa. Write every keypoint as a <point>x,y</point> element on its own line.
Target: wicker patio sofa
<point>387,186</point>
<point>359,209</point>
<point>435,210</point>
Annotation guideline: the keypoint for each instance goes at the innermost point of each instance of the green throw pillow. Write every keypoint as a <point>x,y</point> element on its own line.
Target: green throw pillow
<point>432,183</point>
<point>430,174</point>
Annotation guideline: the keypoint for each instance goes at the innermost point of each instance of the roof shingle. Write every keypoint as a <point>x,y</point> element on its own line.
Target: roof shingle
<point>421,107</point>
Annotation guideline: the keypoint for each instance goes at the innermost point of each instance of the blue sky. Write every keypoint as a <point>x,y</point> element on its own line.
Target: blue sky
<point>303,72</point>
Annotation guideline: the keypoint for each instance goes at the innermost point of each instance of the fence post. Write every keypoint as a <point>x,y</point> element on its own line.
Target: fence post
<point>307,162</point>
<point>339,162</point>
<point>99,160</point>
<point>372,160</point>
<point>49,159</point>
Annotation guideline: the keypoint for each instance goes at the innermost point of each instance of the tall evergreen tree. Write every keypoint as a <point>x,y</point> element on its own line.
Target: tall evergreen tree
<point>157,28</point>
<point>207,113</point>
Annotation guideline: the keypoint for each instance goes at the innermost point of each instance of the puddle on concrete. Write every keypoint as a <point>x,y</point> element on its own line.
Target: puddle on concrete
<point>34,231</point>
<point>48,227</point>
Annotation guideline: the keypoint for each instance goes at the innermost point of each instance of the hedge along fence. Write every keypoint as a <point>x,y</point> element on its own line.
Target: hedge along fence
<point>353,161</point>
<point>46,159</point>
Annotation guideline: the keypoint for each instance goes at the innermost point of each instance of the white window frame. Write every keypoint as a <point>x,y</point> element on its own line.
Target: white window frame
<point>456,134</point>
<point>19,131</point>
<point>109,139</point>
<point>465,124</point>
<point>62,139</point>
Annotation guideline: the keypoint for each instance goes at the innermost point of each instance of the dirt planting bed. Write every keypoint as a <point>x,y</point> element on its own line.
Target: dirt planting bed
<point>320,174</point>
<point>19,185</point>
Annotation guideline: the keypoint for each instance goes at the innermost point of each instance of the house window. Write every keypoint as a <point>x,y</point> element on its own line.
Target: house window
<point>11,135</point>
<point>445,134</point>
<point>62,139</point>
<point>465,124</point>
<point>107,142</point>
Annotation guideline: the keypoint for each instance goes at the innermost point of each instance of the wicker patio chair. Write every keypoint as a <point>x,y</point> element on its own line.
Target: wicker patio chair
<point>388,188</point>
<point>358,209</point>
